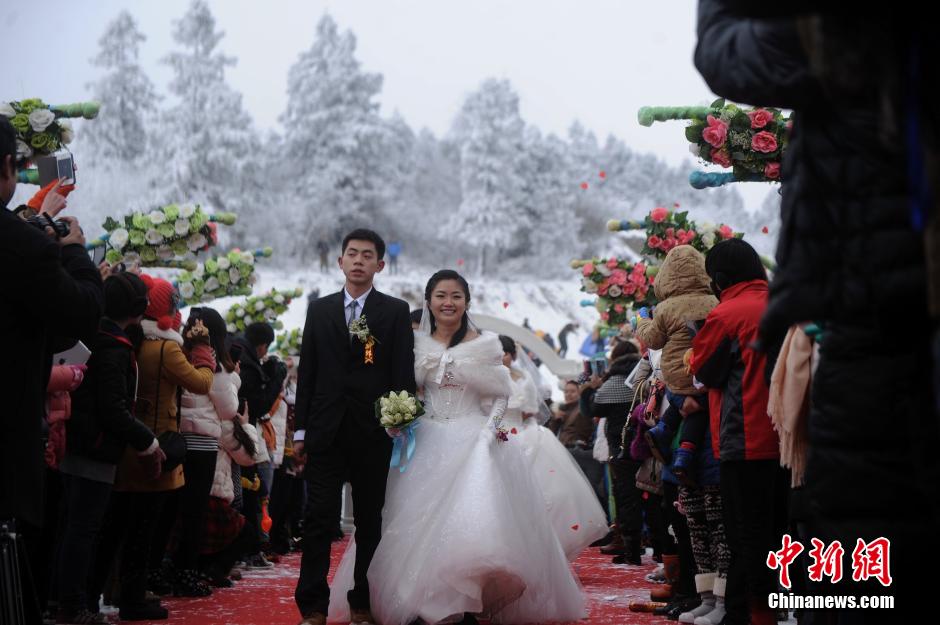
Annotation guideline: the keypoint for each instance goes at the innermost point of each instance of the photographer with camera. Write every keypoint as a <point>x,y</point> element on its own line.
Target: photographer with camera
<point>58,294</point>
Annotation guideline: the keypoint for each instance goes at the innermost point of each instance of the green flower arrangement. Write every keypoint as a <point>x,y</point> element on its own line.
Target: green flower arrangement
<point>161,236</point>
<point>264,308</point>
<point>41,128</point>
<point>220,276</point>
<point>288,344</point>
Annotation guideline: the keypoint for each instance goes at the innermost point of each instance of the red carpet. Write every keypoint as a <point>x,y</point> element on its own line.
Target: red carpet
<point>266,597</point>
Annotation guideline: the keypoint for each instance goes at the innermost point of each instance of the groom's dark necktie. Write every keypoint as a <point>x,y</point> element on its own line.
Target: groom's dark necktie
<point>353,307</point>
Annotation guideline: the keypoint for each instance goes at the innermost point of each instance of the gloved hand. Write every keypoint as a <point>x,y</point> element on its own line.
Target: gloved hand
<point>51,198</point>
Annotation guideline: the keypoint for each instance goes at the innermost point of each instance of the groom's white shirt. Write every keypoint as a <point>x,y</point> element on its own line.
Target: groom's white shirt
<point>347,300</point>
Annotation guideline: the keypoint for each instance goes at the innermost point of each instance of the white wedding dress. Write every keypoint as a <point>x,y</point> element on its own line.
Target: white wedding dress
<point>464,526</point>
<point>573,508</point>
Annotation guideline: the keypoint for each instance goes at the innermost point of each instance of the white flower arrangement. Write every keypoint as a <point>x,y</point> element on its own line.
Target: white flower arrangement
<point>398,410</point>
<point>266,308</point>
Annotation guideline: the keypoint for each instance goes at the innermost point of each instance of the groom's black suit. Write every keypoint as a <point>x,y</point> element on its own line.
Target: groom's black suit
<point>336,394</point>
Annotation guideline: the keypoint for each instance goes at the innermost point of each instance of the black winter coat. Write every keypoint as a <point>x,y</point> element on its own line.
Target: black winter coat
<point>103,422</point>
<point>51,291</point>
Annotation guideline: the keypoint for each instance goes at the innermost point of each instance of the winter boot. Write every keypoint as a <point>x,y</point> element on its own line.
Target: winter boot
<point>659,438</point>
<point>683,465</point>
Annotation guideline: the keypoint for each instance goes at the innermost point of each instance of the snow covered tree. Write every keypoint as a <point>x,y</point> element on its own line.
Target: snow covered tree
<point>208,140</point>
<point>335,142</point>
<point>126,94</point>
<point>489,131</point>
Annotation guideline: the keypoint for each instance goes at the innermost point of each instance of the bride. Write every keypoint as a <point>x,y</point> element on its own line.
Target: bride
<point>464,525</point>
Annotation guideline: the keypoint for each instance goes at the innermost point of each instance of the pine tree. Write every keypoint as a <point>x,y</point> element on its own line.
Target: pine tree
<point>209,141</point>
<point>126,94</point>
<point>334,138</point>
<point>489,131</point>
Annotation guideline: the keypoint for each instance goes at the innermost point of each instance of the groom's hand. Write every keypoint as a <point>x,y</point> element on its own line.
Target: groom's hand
<point>300,456</point>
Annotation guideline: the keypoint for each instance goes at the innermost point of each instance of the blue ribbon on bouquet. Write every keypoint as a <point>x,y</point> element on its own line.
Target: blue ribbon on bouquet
<point>404,447</point>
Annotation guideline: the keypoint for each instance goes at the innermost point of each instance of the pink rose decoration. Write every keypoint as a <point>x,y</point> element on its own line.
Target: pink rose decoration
<point>630,289</point>
<point>618,276</point>
<point>764,142</point>
<point>605,316</point>
<point>716,133</point>
<point>654,242</point>
<point>760,118</point>
<point>670,233</point>
<point>669,243</point>
<point>725,232</point>
<point>659,214</point>
<point>721,157</point>
<point>588,269</point>
<point>687,238</point>
<point>619,308</point>
<point>772,171</point>
<point>612,263</point>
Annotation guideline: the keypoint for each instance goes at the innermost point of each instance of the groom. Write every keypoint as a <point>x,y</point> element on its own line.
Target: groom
<point>338,436</point>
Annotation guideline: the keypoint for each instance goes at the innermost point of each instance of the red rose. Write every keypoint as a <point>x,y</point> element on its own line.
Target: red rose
<point>654,242</point>
<point>659,214</point>
<point>764,142</point>
<point>721,157</point>
<point>725,231</point>
<point>669,243</point>
<point>772,171</point>
<point>670,233</point>
<point>716,133</point>
<point>760,118</point>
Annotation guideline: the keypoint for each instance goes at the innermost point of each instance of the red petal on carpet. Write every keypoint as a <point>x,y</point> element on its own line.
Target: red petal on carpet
<point>266,596</point>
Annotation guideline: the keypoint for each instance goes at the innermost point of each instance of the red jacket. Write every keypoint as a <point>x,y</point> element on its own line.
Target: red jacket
<point>725,361</point>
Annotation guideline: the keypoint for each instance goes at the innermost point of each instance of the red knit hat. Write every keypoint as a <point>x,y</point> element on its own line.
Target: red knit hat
<point>164,301</point>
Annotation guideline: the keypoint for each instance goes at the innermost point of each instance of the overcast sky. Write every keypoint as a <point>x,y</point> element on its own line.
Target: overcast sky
<point>593,60</point>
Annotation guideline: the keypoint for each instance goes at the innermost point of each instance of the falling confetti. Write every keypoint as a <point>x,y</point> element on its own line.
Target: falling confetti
<point>765,230</point>
<point>584,186</point>
<point>603,174</point>
<point>505,304</point>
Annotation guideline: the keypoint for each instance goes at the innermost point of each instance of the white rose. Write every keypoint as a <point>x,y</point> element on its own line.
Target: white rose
<point>278,299</point>
<point>187,211</point>
<point>239,312</point>
<point>6,110</point>
<point>200,271</point>
<point>196,242</point>
<point>224,263</point>
<point>67,133</point>
<point>708,239</point>
<point>589,285</point>
<point>234,276</point>
<point>253,279</point>
<point>118,238</point>
<point>23,150</point>
<point>157,217</point>
<point>40,119</point>
<point>232,328</point>
<point>269,314</point>
<point>706,226</point>
<point>181,227</point>
<point>259,306</point>
<point>153,237</point>
<point>165,252</point>
<point>187,290</point>
<point>211,284</point>
<point>248,258</point>
<point>603,269</point>
<point>615,291</point>
<point>131,258</point>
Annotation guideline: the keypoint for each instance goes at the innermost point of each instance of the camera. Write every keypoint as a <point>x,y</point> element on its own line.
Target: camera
<point>42,221</point>
<point>60,166</point>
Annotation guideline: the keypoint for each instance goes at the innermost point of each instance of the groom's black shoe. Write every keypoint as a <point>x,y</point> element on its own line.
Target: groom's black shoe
<point>314,618</point>
<point>469,619</point>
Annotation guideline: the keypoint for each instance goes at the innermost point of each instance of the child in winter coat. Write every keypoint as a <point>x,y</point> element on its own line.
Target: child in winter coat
<point>685,299</point>
<point>63,380</point>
